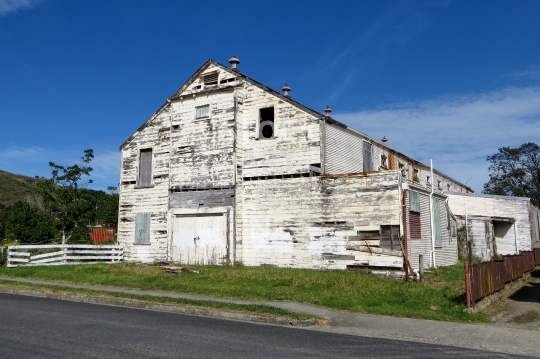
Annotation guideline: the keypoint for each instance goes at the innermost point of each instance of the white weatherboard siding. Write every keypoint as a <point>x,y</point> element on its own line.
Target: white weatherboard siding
<point>306,222</point>
<point>153,199</point>
<point>481,208</point>
<point>296,143</point>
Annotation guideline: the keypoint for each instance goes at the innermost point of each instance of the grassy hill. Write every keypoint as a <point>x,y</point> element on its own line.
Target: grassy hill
<point>17,187</point>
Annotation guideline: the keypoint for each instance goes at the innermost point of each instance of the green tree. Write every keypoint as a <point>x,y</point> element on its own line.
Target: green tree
<point>28,224</point>
<point>515,172</point>
<point>110,216</point>
<point>64,198</point>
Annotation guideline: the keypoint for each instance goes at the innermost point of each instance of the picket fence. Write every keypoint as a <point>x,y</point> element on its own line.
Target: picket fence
<point>57,254</point>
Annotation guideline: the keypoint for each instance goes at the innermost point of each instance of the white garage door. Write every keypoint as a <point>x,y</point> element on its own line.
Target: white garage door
<point>200,239</point>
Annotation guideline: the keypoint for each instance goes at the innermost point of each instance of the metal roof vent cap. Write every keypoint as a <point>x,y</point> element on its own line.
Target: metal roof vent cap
<point>286,90</point>
<point>384,140</point>
<point>234,61</point>
<point>327,111</point>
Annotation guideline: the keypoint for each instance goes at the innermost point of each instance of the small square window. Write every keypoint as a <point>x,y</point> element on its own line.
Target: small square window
<point>202,111</point>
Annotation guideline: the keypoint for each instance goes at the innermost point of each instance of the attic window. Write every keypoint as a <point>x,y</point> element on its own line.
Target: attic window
<point>211,79</point>
<point>202,111</point>
<point>448,186</point>
<point>428,179</point>
<point>383,161</point>
<point>439,184</point>
<point>266,123</point>
<point>415,174</point>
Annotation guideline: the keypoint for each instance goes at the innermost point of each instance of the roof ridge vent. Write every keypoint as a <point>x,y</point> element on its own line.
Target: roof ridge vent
<point>286,90</point>
<point>234,61</point>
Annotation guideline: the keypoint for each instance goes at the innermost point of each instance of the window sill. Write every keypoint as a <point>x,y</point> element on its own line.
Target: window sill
<point>139,187</point>
<point>266,139</point>
<point>142,244</point>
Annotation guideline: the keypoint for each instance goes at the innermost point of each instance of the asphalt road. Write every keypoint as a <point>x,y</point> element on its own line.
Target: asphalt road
<point>33,327</point>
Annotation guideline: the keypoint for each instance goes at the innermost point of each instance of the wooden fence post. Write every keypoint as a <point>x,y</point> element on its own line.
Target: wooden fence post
<point>421,267</point>
<point>468,285</point>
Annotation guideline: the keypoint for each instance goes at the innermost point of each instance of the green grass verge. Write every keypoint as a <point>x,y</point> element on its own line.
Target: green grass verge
<point>441,297</point>
<point>230,307</point>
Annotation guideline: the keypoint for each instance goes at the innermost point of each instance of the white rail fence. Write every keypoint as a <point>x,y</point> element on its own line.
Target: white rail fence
<point>57,254</point>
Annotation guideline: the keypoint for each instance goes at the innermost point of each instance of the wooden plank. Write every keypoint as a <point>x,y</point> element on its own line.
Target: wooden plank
<point>19,254</point>
<point>18,260</point>
<point>389,252</point>
<point>46,255</point>
<point>60,246</point>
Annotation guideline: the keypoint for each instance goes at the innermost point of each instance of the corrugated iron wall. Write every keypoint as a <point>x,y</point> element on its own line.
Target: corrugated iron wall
<point>485,278</point>
<point>100,235</point>
<point>343,151</point>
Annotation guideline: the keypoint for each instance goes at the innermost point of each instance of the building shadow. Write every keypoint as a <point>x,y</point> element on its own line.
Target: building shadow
<point>529,292</point>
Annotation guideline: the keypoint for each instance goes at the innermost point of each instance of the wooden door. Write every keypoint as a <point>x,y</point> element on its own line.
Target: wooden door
<point>200,239</point>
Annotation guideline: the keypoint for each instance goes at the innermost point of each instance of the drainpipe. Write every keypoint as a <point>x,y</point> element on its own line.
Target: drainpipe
<point>171,217</point>
<point>515,238</point>
<point>434,264</point>
<point>232,244</point>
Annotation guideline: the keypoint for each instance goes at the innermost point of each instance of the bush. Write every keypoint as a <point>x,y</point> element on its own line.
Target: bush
<point>28,224</point>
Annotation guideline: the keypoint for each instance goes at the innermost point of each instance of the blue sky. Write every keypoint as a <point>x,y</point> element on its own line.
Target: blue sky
<point>448,80</point>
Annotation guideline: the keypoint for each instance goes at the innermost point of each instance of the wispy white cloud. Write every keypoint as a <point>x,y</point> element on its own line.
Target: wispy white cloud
<point>19,153</point>
<point>12,6</point>
<point>106,165</point>
<point>530,73</point>
<point>457,131</point>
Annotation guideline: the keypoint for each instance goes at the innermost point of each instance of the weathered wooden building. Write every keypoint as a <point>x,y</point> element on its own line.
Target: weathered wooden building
<point>228,170</point>
<point>497,224</point>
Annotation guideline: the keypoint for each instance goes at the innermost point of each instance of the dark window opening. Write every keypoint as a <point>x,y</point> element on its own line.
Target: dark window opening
<point>383,161</point>
<point>266,124</point>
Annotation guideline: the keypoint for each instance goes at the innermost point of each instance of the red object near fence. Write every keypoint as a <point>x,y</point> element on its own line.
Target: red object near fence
<point>100,235</point>
<point>485,278</point>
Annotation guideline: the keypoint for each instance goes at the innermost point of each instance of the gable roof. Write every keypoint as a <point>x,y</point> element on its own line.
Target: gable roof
<point>198,73</point>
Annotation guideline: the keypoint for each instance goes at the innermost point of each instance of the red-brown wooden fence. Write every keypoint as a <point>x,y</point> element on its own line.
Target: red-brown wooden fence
<point>485,278</point>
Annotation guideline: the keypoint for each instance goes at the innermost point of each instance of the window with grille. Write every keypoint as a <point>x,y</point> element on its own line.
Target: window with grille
<point>202,111</point>
<point>145,168</point>
<point>211,79</point>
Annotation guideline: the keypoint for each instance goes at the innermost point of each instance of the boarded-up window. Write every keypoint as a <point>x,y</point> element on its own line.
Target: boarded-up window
<point>367,158</point>
<point>415,226</point>
<point>142,228</point>
<point>145,168</point>
<point>414,202</point>
<point>437,222</point>
<point>202,111</point>
<point>390,237</point>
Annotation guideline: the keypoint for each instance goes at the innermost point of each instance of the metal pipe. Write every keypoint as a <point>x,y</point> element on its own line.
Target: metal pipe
<point>434,264</point>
